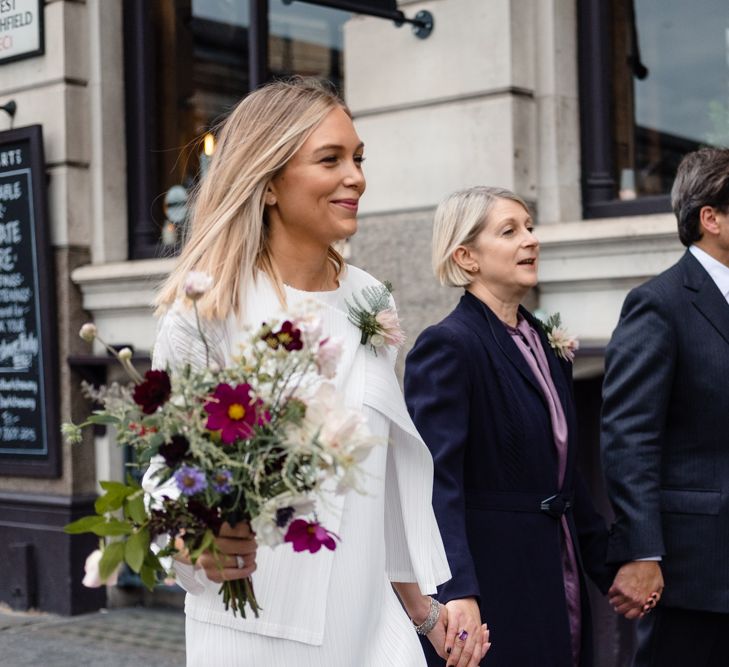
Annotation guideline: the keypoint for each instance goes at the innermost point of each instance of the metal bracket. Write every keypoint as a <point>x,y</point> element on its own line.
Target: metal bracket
<point>422,23</point>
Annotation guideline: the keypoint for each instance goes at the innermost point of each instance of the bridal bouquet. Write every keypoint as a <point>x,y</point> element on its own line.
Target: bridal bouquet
<point>255,442</point>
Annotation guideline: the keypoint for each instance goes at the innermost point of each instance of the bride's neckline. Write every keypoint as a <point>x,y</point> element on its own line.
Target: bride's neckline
<point>322,291</point>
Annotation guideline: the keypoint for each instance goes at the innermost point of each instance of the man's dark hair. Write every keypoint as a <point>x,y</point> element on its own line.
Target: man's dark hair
<point>702,180</point>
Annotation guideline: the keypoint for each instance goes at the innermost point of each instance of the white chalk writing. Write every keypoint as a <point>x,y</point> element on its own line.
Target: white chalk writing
<point>11,158</point>
<point>10,232</point>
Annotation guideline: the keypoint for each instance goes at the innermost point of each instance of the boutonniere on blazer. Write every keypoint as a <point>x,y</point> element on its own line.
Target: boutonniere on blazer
<point>375,318</point>
<point>560,341</point>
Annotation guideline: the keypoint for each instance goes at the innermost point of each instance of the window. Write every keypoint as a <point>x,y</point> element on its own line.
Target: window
<point>654,85</point>
<point>306,39</point>
<point>187,62</point>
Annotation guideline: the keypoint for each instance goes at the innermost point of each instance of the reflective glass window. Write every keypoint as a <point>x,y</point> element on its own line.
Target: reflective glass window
<point>670,88</point>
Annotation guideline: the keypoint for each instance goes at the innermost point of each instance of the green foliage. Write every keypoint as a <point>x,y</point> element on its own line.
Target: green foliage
<point>86,524</point>
<point>135,548</point>
<point>134,508</point>
<point>113,499</point>
<point>111,559</point>
<point>103,419</point>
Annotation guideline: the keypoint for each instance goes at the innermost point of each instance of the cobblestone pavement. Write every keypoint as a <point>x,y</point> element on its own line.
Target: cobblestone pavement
<point>128,637</point>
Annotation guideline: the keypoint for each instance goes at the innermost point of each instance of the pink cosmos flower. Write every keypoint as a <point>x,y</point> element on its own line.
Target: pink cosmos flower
<point>310,536</point>
<point>310,326</point>
<point>232,412</point>
<point>390,327</point>
<point>327,357</point>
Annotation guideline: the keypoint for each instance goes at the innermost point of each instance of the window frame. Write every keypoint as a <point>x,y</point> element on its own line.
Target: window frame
<point>598,183</point>
<point>139,82</point>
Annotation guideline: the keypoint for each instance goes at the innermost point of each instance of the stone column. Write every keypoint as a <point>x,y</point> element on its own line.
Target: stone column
<point>81,110</point>
<point>436,115</point>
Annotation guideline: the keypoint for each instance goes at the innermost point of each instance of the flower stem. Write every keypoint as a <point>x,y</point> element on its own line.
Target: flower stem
<point>237,594</point>
<point>126,365</point>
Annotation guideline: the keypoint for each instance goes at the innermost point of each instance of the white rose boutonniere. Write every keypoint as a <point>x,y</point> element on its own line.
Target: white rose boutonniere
<point>559,339</point>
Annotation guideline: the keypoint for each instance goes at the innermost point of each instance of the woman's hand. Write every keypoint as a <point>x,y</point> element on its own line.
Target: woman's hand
<point>437,636</point>
<point>234,547</point>
<point>466,640</point>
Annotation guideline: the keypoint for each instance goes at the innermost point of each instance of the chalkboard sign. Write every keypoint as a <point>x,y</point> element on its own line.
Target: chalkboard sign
<point>29,437</point>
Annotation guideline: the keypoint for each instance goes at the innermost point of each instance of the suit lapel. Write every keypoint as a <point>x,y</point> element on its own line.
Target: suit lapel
<point>488,327</point>
<point>708,300</point>
<point>555,365</point>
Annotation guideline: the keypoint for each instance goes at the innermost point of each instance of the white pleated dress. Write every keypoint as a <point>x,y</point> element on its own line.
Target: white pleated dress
<point>329,609</point>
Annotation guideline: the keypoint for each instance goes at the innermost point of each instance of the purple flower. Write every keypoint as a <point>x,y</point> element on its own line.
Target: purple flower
<point>221,481</point>
<point>310,536</point>
<point>190,480</point>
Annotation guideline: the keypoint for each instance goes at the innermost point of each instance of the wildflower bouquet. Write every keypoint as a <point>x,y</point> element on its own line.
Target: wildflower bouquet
<point>251,442</point>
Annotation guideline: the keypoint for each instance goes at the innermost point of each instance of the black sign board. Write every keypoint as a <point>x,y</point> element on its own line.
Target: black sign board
<point>29,426</point>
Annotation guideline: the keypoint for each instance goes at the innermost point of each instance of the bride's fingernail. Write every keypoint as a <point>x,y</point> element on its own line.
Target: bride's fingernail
<point>448,650</point>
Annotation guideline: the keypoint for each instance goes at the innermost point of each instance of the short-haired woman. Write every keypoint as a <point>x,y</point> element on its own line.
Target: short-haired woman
<point>493,401</point>
<point>282,188</point>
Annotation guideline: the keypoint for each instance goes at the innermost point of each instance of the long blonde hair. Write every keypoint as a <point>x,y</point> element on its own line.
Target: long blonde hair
<point>227,237</point>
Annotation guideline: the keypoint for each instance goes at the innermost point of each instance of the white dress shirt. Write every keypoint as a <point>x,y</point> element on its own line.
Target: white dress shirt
<point>719,272</point>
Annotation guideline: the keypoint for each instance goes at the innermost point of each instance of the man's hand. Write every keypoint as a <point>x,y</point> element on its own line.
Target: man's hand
<point>634,584</point>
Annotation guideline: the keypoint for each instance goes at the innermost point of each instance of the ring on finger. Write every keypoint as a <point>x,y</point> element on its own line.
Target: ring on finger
<point>239,562</point>
<point>462,635</point>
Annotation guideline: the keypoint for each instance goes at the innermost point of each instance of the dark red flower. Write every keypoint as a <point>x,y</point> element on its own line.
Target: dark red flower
<point>153,392</point>
<point>209,517</point>
<point>288,337</point>
<point>174,451</point>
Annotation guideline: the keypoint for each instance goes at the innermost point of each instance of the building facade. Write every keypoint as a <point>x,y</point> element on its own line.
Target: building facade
<point>582,107</point>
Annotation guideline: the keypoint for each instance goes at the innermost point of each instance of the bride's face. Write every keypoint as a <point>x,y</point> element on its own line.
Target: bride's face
<point>316,195</point>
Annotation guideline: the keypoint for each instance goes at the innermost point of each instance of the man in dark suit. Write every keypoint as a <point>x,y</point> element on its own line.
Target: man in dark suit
<point>665,435</point>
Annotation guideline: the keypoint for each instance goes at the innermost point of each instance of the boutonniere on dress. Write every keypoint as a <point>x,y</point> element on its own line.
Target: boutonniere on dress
<point>560,341</point>
<point>375,318</point>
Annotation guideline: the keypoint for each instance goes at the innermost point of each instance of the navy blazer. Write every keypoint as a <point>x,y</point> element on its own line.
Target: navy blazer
<point>665,434</point>
<point>478,406</point>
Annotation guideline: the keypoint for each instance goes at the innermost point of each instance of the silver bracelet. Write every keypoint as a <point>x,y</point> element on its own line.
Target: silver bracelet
<point>431,619</point>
